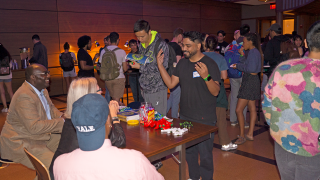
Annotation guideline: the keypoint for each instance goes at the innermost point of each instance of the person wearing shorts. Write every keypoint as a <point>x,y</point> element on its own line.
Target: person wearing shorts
<point>69,76</point>
<point>6,79</point>
<point>117,85</point>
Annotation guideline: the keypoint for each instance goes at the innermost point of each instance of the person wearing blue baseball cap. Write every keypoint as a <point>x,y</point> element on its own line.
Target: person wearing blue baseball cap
<point>90,119</point>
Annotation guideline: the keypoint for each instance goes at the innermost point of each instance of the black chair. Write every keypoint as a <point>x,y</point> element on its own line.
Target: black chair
<point>134,105</point>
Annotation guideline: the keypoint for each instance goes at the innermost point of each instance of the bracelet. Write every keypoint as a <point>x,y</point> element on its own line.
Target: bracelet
<point>241,55</point>
<point>115,119</point>
<point>206,79</point>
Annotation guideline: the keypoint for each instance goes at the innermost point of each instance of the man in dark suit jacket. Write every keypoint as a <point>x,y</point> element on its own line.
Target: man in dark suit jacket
<point>32,122</point>
<point>39,52</point>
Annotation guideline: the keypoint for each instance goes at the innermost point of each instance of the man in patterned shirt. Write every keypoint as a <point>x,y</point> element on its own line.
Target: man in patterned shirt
<point>292,109</point>
<point>153,88</point>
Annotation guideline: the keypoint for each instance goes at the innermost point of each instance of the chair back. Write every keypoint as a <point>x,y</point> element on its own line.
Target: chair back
<point>42,172</point>
<point>6,162</point>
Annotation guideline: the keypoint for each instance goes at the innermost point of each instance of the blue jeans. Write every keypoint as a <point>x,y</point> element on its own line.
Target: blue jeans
<point>173,101</point>
<point>107,95</point>
<point>134,85</point>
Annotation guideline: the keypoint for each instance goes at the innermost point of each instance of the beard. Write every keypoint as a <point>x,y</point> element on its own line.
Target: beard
<point>188,54</point>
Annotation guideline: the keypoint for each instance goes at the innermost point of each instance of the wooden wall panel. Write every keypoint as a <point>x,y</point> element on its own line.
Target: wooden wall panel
<point>48,5</point>
<point>102,6</point>
<point>61,21</point>
<point>13,41</point>
<point>171,23</point>
<point>224,13</point>
<point>28,21</point>
<point>73,38</point>
<point>85,22</point>
<point>170,9</point>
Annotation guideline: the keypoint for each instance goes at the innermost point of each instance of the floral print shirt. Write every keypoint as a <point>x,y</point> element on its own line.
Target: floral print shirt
<point>291,106</point>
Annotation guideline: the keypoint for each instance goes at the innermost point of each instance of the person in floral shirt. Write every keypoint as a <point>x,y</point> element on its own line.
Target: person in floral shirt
<point>292,109</point>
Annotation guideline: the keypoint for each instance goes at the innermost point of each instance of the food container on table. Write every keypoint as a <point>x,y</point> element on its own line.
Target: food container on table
<point>146,112</point>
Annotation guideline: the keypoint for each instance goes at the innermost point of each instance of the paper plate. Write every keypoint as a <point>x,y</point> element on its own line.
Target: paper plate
<point>133,122</point>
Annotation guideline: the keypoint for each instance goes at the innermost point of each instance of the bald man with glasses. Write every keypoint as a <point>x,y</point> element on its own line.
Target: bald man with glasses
<point>33,122</point>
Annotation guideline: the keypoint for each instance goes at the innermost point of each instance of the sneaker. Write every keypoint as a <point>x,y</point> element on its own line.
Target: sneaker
<point>246,125</point>
<point>234,123</point>
<point>158,165</point>
<point>4,110</point>
<point>229,147</point>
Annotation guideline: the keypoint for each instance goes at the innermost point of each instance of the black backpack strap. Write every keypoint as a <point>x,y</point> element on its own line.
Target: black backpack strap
<point>156,47</point>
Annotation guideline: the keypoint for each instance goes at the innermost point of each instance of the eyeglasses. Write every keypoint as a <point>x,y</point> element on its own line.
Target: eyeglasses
<point>44,73</point>
<point>99,90</point>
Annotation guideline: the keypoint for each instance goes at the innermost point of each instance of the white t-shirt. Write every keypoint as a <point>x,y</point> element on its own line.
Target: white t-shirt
<point>121,57</point>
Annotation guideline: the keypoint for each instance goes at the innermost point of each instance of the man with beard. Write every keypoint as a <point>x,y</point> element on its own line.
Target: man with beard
<point>33,122</point>
<point>199,78</point>
<point>85,62</point>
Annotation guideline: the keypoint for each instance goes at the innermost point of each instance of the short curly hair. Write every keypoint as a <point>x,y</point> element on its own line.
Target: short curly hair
<point>83,41</point>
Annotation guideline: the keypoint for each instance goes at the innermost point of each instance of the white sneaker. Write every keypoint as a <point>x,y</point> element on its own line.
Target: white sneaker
<point>4,110</point>
<point>229,147</point>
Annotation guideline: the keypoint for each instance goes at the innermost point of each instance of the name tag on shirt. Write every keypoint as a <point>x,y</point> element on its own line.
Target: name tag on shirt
<point>196,74</point>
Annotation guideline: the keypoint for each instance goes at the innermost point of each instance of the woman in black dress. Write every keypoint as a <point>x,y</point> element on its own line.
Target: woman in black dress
<point>249,91</point>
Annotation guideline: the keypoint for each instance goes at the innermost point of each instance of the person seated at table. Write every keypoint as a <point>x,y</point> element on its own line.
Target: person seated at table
<point>90,119</point>
<point>68,142</point>
<point>33,122</point>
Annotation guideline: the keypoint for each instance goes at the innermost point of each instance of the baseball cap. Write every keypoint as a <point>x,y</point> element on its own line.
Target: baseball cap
<point>275,27</point>
<point>89,116</point>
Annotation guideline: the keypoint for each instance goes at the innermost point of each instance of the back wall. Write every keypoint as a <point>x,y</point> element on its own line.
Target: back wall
<point>60,21</point>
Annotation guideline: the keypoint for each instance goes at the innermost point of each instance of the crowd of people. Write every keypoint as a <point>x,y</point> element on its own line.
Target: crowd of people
<point>193,66</point>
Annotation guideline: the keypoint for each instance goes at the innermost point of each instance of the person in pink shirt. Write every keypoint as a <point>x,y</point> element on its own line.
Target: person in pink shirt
<point>96,158</point>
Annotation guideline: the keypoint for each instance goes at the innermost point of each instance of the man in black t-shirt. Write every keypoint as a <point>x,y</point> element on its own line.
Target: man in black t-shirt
<point>221,43</point>
<point>175,93</point>
<point>199,77</point>
<point>85,62</point>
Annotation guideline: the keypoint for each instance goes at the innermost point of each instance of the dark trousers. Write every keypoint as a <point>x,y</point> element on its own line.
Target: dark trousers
<point>204,149</point>
<point>135,88</point>
<point>296,167</point>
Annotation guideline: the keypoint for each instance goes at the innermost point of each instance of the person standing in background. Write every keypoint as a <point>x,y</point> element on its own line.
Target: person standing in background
<point>6,79</point>
<point>222,102</point>
<point>174,99</point>
<point>221,43</point>
<point>134,74</point>
<point>39,52</point>
<point>85,62</point>
<point>106,41</point>
<point>249,90</point>
<point>69,76</point>
<point>115,86</point>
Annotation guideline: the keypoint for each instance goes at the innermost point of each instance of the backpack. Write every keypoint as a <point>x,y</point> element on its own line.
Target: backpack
<point>66,61</point>
<point>232,56</point>
<point>110,69</point>
<point>4,66</point>
<point>288,51</point>
<point>172,57</point>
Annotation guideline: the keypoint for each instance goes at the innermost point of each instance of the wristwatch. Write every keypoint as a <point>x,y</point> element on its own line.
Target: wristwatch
<point>115,119</point>
<point>208,78</point>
